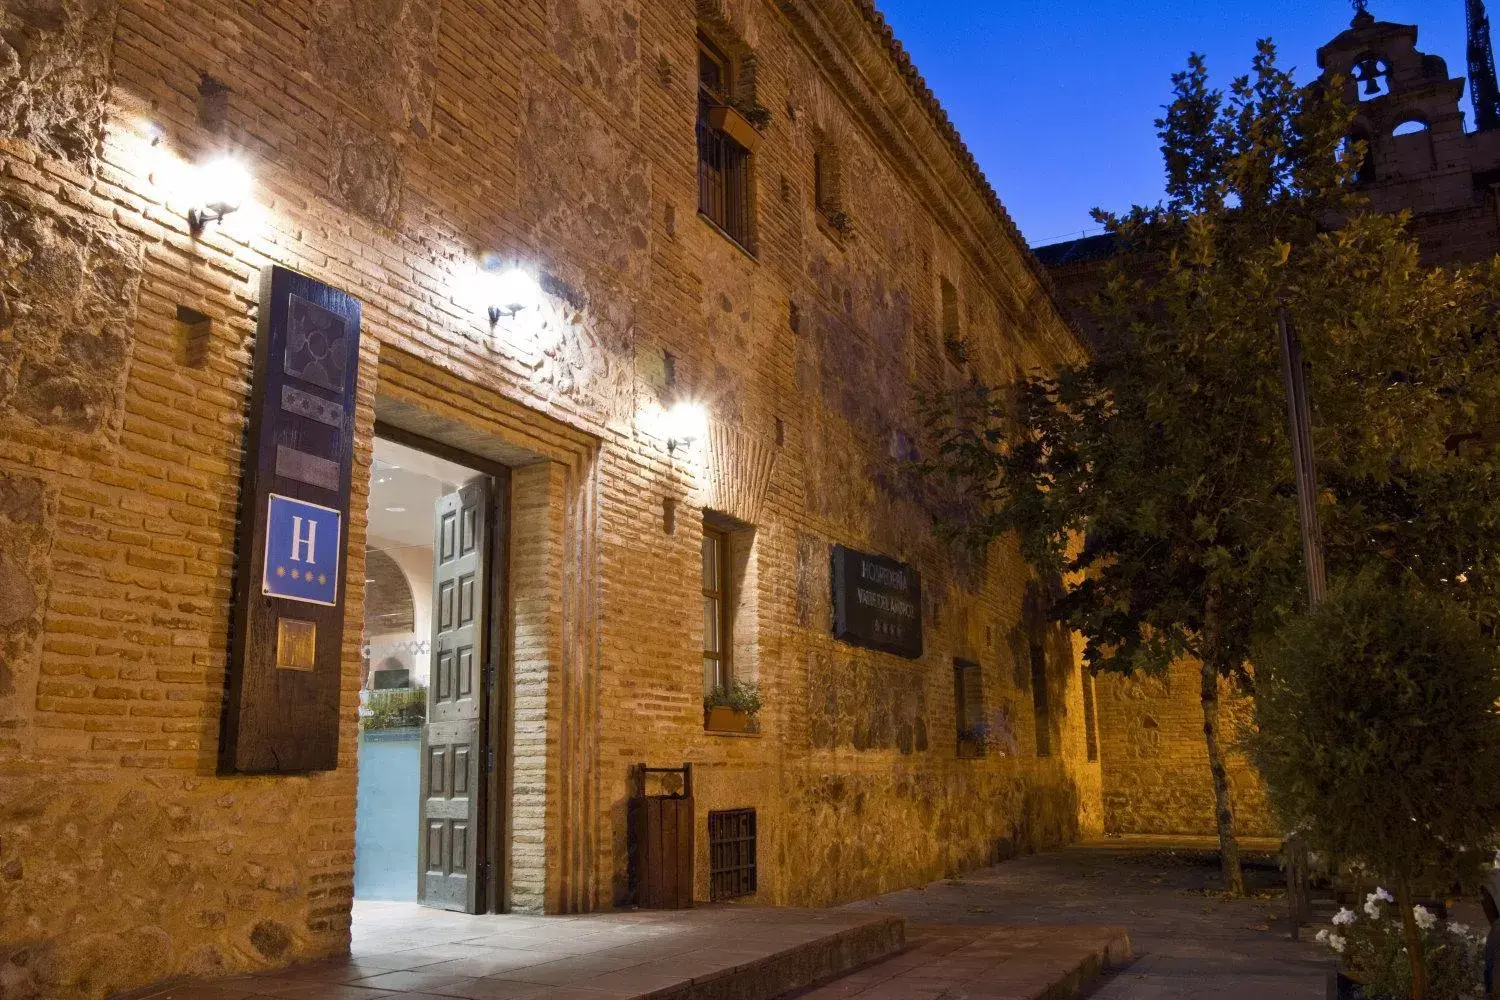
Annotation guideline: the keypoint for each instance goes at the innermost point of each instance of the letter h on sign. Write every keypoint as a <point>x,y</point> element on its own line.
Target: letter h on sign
<point>293,569</point>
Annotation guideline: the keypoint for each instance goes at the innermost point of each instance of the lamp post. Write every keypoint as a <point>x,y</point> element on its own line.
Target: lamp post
<point>1299,430</point>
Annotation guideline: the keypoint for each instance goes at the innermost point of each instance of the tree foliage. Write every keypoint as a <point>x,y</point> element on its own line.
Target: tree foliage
<point>1378,733</point>
<point>1378,736</point>
<point>1155,476</point>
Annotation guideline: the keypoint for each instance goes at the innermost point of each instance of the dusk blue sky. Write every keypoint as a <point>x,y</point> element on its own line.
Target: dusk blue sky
<point>1056,99</point>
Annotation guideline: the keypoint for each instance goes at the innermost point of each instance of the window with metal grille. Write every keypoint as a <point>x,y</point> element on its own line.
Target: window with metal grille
<point>1090,724</point>
<point>1036,619</point>
<point>953,342</point>
<point>723,164</point>
<point>968,708</point>
<point>731,854</point>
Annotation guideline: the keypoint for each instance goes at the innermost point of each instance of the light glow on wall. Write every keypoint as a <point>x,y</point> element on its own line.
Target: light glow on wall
<point>685,424</point>
<point>222,186</point>
<point>510,292</point>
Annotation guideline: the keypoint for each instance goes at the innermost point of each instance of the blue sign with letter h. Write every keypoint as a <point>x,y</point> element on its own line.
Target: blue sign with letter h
<point>302,551</point>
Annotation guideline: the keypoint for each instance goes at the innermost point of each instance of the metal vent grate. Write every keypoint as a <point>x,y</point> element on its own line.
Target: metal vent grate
<point>731,854</point>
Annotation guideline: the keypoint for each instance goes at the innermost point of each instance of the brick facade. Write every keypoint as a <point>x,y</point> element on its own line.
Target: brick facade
<point>390,146</point>
<point>1156,776</point>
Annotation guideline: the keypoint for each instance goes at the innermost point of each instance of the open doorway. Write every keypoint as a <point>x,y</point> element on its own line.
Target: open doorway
<point>426,808</point>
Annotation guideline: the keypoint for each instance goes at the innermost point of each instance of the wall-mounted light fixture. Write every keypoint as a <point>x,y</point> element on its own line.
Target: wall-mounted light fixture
<point>508,292</point>
<point>685,423</point>
<point>223,186</point>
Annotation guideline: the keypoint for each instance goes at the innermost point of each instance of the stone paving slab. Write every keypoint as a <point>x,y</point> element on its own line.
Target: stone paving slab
<point>401,950</point>
<point>1190,942</point>
<point>987,963</point>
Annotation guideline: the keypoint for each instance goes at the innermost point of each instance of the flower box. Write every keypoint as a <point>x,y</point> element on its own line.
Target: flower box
<point>735,125</point>
<point>723,719</point>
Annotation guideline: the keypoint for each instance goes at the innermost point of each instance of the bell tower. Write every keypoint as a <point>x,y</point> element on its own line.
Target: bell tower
<point>1408,113</point>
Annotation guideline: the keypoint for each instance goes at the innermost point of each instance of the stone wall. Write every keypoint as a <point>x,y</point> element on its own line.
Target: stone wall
<point>1156,777</point>
<point>391,145</point>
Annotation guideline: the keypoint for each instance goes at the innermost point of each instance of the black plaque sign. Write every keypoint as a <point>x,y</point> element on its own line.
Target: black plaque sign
<point>877,603</point>
<point>286,643</point>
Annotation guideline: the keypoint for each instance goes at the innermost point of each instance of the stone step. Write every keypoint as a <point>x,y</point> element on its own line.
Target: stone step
<point>795,968</point>
<point>1030,962</point>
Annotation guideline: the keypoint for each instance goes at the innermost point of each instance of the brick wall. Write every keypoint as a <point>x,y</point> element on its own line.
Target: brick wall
<point>391,145</point>
<point>1155,761</point>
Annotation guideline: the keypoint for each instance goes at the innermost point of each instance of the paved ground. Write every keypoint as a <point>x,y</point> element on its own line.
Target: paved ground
<point>402,951</point>
<point>1189,944</point>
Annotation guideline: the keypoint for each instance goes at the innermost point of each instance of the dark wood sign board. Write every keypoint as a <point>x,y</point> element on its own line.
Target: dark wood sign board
<point>287,634</point>
<point>877,603</point>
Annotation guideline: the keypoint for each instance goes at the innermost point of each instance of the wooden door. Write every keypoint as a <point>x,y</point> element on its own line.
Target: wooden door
<point>452,744</point>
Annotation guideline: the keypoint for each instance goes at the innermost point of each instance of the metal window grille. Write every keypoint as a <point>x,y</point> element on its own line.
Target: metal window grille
<point>1090,725</point>
<point>968,707</point>
<point>724,183</point>
<point>731,854</point>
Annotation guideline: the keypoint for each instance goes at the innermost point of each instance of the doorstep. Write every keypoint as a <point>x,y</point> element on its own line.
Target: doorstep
<point>706,953</point>
<point>987,962</point>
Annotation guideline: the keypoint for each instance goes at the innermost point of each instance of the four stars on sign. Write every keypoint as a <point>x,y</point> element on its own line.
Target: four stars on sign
<point>298,574</point>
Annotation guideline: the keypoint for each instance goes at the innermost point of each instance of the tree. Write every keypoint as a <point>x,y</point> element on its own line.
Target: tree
<point>1379,737</point>
<point>1155,477</point>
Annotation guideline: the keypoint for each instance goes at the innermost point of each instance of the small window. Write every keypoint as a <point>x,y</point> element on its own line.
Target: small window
<point>1036,619</point>
<point>1365,171</point>
<point>827,188</point>
<point>953,342</point>
<point>714,72</point>
<point>1413,127</point>
<point>1090,723</point>
<point>731,854</point>
<point>724,175</point>
<point>718,666</point>
<point>968,708</point>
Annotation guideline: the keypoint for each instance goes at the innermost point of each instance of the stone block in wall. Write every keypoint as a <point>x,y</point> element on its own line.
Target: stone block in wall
<point>68,286</point>
<point>855,702</point>
<point>203,879</point>
<point>381,57</point>
<point>813,580</point>
<point>585,351</point>
<point>27,511</point>
<point>54,74</point>
<point>565,148</point>
<point>598,41</point>
<point>366,171</point>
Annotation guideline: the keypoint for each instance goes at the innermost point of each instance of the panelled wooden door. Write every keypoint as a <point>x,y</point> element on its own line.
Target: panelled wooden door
<point>452,746</point>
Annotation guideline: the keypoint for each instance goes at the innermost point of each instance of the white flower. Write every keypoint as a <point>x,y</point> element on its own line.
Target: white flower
<point>1322,936</point>
<point>1337,942</point>
<point>1462,930</point>
<point>1372,902</point>
<point>1424,917</point>
<point>1343,917</point>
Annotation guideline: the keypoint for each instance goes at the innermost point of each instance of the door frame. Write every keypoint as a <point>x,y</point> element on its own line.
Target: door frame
<point>497,710</point>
